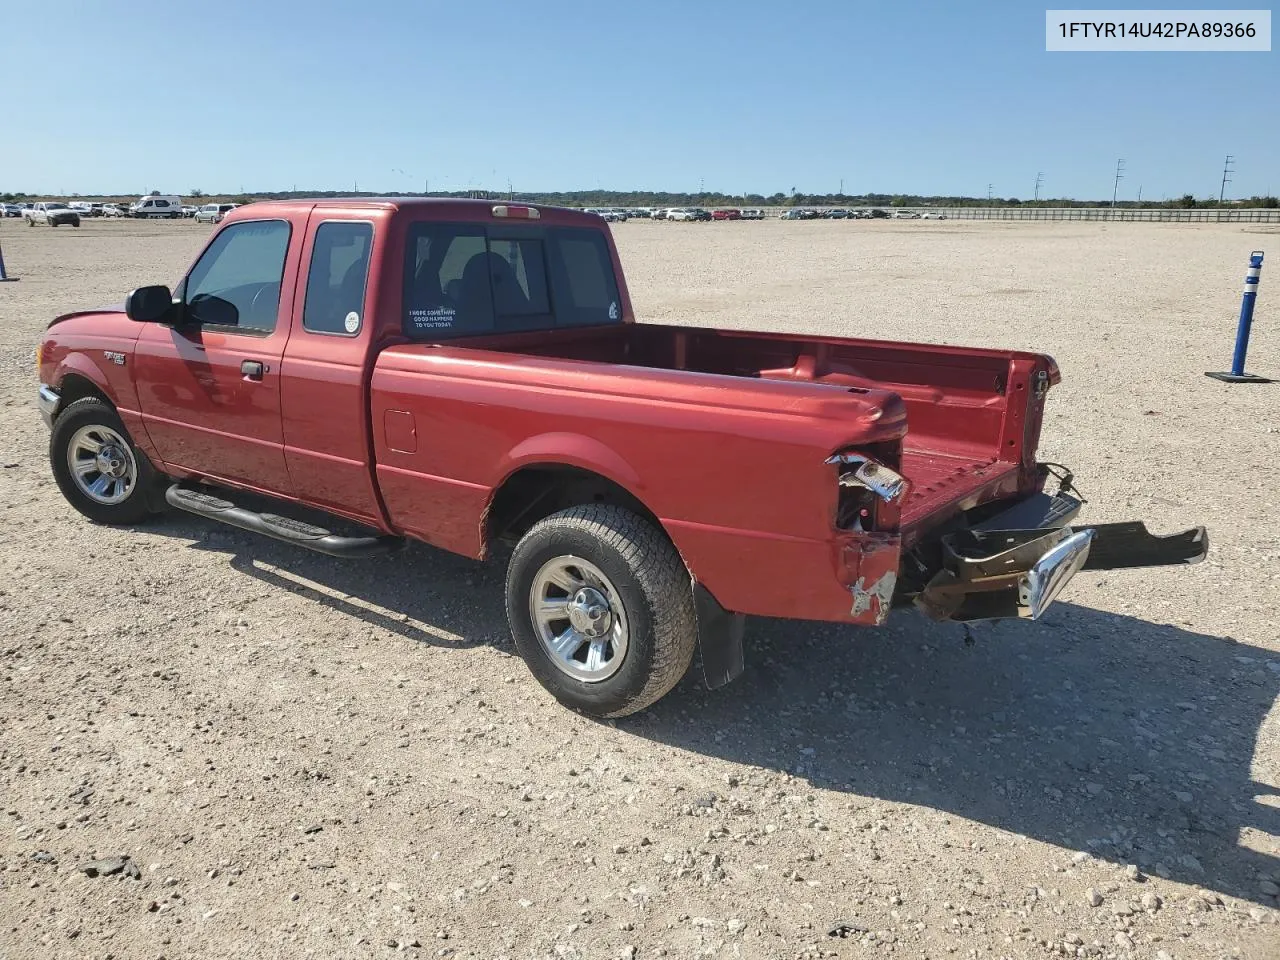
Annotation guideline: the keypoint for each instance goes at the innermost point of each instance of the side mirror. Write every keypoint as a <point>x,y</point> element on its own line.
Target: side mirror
<point>149,304</point>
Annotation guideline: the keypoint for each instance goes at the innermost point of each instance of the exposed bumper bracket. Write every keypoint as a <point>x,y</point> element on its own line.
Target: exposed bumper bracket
<point>1117,546</point>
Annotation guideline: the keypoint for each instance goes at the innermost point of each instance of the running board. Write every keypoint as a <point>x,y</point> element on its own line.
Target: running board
<point>286,529</point>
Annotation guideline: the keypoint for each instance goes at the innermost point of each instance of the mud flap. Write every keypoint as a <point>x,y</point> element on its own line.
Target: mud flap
<point>719,639</point>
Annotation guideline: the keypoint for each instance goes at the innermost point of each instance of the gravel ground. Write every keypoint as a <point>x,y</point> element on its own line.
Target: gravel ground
<point>306,758</point>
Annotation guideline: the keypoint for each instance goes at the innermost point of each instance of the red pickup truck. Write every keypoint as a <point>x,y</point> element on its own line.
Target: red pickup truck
<point>470,374</point>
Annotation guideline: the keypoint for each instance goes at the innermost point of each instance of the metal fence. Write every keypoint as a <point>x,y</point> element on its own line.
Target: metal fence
<point>1158,215</point>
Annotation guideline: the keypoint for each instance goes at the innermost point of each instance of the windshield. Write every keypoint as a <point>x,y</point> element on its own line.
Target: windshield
<point>464,279</point>
<point>56,206</point>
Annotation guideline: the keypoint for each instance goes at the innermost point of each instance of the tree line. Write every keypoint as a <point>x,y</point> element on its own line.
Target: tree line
<point>646,198</point>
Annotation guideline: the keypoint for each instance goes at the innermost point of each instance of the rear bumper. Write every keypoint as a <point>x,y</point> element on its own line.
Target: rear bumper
<point>990,572</point>
<point>47,400</point>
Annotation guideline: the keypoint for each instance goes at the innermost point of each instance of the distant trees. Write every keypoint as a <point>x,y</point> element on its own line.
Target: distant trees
<point>657,198</point>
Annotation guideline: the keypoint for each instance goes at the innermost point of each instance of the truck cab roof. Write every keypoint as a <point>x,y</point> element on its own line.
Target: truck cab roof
<point>437,208</point>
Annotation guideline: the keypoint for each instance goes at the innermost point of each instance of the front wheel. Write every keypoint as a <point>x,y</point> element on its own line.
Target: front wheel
<point>97,467</point>
<point>601,609</point>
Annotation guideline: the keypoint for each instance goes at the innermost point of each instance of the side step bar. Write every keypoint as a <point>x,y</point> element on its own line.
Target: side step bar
<point>297,532</point>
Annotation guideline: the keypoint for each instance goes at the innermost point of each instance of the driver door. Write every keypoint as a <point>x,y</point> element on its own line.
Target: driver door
<point>209,387</point>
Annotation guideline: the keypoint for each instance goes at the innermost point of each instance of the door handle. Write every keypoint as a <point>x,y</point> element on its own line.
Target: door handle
<point>252,369</point>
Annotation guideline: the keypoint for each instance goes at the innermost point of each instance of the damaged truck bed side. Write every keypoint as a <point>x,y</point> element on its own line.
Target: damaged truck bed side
<point>469,374</point>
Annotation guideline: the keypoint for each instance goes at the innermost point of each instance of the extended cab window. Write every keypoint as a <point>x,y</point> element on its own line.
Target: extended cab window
<point>465,279</point>
<point>236,283</point>
<point>336,279</point>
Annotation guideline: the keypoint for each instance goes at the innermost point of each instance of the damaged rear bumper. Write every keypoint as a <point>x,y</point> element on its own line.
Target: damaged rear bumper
<point>990,574</point>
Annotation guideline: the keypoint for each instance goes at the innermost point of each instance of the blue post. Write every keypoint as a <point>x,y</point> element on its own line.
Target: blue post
<point>1246,312</point>
<point>1245,326</point>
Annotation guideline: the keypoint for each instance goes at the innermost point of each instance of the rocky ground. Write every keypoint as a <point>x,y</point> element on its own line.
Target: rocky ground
<point>213,745</point>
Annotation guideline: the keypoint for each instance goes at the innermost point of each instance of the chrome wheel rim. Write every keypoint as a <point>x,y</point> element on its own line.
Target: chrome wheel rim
<point>102,464</point>
<point>579,618</point>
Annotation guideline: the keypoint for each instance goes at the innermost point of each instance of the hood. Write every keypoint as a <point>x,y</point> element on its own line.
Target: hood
<point>113,310</point>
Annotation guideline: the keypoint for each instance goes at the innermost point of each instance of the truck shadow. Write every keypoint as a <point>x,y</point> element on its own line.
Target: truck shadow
<point>1092,731</point>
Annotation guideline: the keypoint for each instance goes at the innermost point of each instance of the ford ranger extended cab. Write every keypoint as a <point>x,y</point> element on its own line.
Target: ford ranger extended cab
<point>471,375</point>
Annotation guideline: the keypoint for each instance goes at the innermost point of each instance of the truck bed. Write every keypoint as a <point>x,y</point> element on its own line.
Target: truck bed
<point>973,415</point>
<point>946,484</point>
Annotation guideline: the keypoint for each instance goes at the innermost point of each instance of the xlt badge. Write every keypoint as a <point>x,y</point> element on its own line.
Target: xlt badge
<point>116,358</point>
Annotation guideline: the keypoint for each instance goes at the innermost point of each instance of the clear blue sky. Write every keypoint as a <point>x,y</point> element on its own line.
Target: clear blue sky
<point>905,97</point>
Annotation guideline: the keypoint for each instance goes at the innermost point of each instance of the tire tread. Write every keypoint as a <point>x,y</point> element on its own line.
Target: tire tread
<point>663,579</point>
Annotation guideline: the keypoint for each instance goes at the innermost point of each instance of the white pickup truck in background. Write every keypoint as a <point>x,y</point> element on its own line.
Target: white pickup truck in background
<point>53,213</point>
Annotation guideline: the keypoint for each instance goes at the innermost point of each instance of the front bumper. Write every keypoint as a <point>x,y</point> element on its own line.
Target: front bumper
<point>47,400</point>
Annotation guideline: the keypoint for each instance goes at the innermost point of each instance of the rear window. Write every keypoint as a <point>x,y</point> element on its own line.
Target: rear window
<point>464,279</point>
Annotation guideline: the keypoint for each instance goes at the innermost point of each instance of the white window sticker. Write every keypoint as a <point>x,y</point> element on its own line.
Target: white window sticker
<point>352,323</point>
<point>433,318</point>
<point>613,310</point>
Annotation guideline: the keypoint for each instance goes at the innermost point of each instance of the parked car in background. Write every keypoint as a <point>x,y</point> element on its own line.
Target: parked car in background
<point>53,213</point>
<point>81,207</point>
<point>726,214</point>
<point>905,215</point>
<point>836,213</point>
<point>799,213</point>
<point>188,210</point>
<point>753,214</point>
<point>11,210</point>
<point>697,213</point>
<point>160,207</point>
<point>214,212</point>
<point>876,214</point>
<point>112,210</point>
<point>658,214</point>
<point>679,213</point>
<point>932,215</point>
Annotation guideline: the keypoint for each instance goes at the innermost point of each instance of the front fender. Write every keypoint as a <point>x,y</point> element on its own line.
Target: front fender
<point>79,365</point>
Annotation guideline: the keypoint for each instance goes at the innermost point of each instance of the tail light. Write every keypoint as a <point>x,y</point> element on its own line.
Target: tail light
<point>871,491</point>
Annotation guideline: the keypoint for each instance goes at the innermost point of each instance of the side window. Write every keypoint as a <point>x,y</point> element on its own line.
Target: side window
<point>337,277</point>
<point>236,283</point>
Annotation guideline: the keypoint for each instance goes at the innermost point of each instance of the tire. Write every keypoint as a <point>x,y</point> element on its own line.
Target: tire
<point>650,601</point>
<point>97,420</point>
<point>30,222</point>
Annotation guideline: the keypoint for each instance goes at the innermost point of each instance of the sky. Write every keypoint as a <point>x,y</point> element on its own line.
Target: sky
<point>752,96</point>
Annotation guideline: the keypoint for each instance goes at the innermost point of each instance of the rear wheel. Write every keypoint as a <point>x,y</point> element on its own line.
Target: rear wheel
<point>97,467</point>
<point>601,608</point>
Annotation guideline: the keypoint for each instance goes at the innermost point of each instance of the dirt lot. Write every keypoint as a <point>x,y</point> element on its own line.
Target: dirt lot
<point>307,758</point>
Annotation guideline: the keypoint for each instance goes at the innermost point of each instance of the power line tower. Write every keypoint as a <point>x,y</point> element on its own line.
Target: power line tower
<point>989,192</point>
<point>1115,189</point>
<point>1226,169</point>
<point>1039,180</point>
